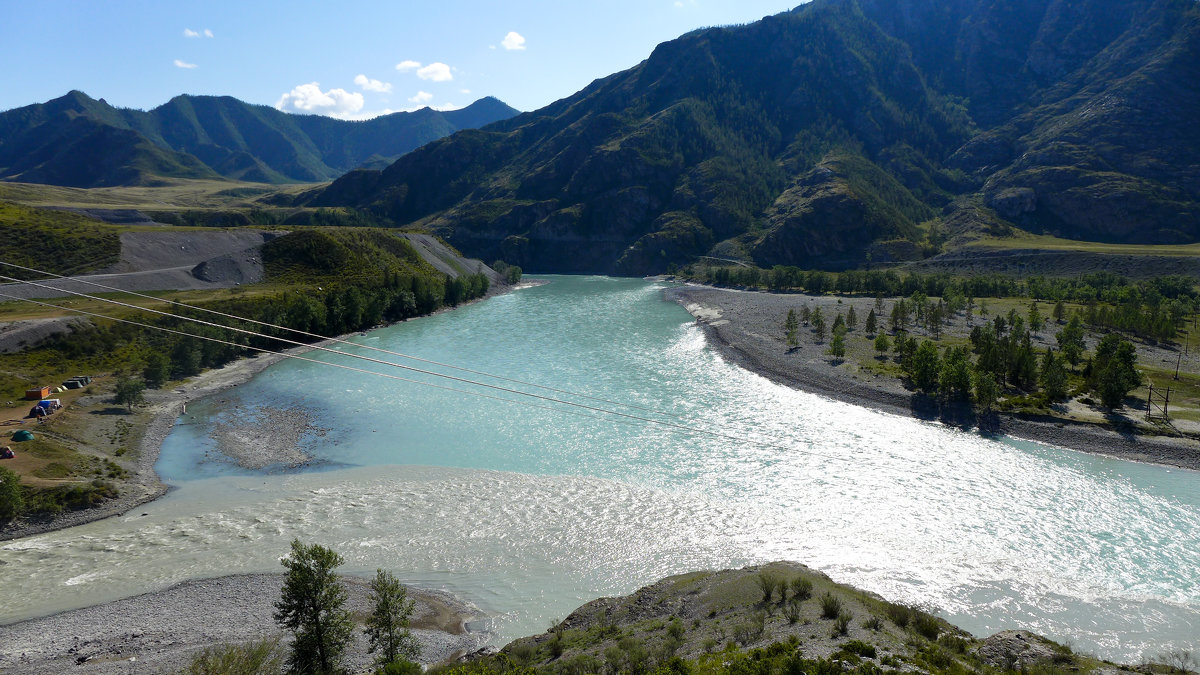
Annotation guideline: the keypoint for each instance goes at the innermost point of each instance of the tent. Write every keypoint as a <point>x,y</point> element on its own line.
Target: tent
<point>22,435</point>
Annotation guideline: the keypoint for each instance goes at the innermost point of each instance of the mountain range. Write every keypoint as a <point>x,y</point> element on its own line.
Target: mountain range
<point>839,133</point>
<point>79,141</point>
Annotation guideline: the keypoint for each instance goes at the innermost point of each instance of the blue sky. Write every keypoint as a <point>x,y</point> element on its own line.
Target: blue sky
<point>351,60</point>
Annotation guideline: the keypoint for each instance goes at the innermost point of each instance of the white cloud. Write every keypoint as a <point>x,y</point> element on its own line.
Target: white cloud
<point>437,72</point>
<point>421,97</point>
<point>189,33</point>
<point>464,91</point>
<point>405,66</point>
<point>309,98</point>
<point>207,33</point>
<point>183,64</point>
<point>513,41</point>
<point>367,84</point>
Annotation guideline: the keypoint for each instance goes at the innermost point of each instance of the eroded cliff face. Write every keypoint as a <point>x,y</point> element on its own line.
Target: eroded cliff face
<point>815,137</point>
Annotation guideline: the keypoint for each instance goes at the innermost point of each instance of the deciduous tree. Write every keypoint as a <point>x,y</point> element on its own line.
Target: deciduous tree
<point>312,606</point>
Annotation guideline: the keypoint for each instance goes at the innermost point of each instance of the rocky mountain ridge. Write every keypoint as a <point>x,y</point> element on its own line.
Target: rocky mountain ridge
<point>840,133</point>
<point>79,141</point>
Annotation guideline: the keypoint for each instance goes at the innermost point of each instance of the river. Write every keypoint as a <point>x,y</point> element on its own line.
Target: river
<point>528,512</point>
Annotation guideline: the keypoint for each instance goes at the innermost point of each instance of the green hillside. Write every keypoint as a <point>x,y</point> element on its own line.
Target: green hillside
<point>837,133</point>
<point>78,141</point>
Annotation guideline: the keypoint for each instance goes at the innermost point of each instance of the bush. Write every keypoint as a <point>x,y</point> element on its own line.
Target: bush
<point>251,658</point>
<point>831,606</point>
<point>927,626</point>
<point>802,588</point>
<point>861,648</point>
<point>750,631</point>
<point>401,667</point>
<point>841,625</point>
<point>899,614</point>
<point>767,581</point>
<point>792,611</point>
<point>12,502</point>
<point>873,623</point>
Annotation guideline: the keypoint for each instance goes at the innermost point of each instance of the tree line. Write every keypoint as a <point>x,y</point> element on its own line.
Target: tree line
<point>1000,356</point>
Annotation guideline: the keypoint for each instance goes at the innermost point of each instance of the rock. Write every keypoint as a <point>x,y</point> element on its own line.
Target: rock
<point>1012,203</point>
<point>1017,650</point>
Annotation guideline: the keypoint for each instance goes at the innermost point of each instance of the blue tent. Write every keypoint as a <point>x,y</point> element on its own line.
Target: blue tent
<point>23,435</point>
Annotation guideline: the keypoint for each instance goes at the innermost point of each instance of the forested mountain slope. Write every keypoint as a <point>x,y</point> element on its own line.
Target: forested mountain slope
<point>78,141</point>
<point>837,133</point>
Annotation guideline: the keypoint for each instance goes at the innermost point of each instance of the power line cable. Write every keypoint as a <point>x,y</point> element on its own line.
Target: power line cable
<point>672,425</point>
<point>333,339</point>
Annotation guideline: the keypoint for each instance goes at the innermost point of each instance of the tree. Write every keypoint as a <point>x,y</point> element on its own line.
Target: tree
<point>387,627</point>
<point>839,324</point>
<point>925,366</point>
<point>837,346</point>
<point>1114,373</point>
<point>790,326</point>
<point>851,319</point>
<point>157,370</point>
<point>129,392</point>
<point>987,392</point>
<point>1035,317</point>
<point>818,324</point>
<point>12,501</point>
<point>1053,377</point>
<point>882,343</point>
<point>872,323</point>
<point>1059,311</point>
<point>954,378</point>
<point>312,606</point>
<point>1070,340</point>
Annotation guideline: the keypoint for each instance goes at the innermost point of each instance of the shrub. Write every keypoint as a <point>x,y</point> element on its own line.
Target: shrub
<point>251,658</point>
<point>767,581</point>
<point>873,623</point>
<point>792,610</point>
<point>841,625</point>
<point>12,502</point>
<point>831,606</point>
<point>802,588</point>
<point>899,614</point>
<point>926,625</point>
<point>861,648</point>
<point>750,631</point>
<point>401,667</point>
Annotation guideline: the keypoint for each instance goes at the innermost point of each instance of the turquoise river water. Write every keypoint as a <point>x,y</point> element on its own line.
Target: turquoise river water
<point>528,512</point>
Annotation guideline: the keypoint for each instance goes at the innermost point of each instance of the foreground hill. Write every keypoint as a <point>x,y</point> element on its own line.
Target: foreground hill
<point>842,132</point>
<point>81,142</point>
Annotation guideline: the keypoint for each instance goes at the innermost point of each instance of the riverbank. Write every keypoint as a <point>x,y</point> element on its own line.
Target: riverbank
<point>269,441</point>
<point>161,631</point>
<point>745,327</point>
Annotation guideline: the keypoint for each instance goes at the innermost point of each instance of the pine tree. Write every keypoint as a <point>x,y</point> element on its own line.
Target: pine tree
<point>1053,377</point>
<point>871,326</point>
<point>851,319</point>
<point>790,326</point>
<point>837,346</point>
<point>818,324</point>
<point>1070,340</point>
<point>1035,317</point>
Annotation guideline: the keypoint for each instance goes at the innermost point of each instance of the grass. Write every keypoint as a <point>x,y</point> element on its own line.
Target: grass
<point>1045,242</point>
<point>175,194</point>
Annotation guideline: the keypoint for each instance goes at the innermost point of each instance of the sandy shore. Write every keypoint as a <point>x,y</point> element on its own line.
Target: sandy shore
<point>159,632</point>
<point>745,328</point>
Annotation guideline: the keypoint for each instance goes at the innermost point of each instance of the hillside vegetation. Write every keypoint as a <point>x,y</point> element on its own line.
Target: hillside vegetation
<point>78,141</point>
<point>840,133</point>
<point>56,241</point>
<point>777,618</point>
